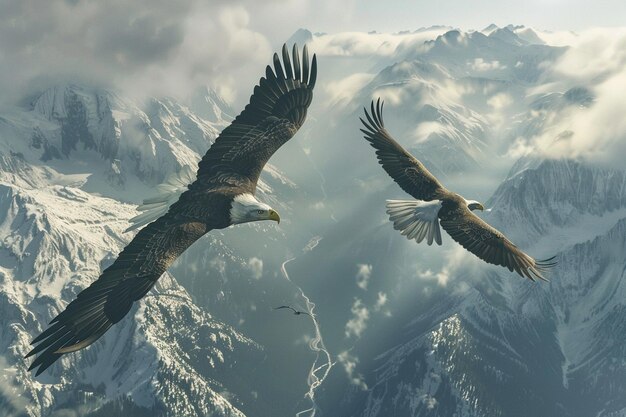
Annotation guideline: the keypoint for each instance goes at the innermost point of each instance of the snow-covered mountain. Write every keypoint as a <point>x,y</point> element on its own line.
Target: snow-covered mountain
<point>412,330</point>
<point>433,331</point>
<point>54,238</point>
<point>75,159</point>
<point>451,99</point>
<point>502,347</point>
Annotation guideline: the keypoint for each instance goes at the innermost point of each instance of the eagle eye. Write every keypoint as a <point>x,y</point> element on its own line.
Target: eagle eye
<point>260,211</point>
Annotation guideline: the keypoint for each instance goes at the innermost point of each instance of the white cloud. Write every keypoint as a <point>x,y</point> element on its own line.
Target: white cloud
<point>430,401</point>
<point>392,95</point>
<point>148,47</point>
<point>361,44</point>
<point>598,52</point>
<point>500,116</point>
<point>162,47</point>
<point>441,276</point>
<point>520,147</point>
<point>363,275</point>
<point>142,47</point>
<point>319,205</point>
<point>480,64</point>
<point>558,38</point>
<point>344,89</point>
<point>455,259</point>
<point>381,301</point>
<point>358,323</point>
<point>594,132</point>
<point>349,363</point>
<point>256,266</point>
<point>219,264</point>
<point>500,101</point>
<point>425,129</point>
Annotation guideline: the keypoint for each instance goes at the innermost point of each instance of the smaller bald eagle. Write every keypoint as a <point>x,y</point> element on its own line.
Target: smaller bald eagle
<point>420,219</point>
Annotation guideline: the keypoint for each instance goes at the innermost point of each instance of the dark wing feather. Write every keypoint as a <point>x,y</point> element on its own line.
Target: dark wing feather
<point>110,297</point>
<point>276,111</point>
<point>403,167</point>
<point>492,246</point>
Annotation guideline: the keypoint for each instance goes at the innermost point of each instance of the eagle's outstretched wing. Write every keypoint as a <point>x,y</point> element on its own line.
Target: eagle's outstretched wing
<point>403,167</point>
<point>276,111</point>
<point>111,296</point>
<point>490,245</point>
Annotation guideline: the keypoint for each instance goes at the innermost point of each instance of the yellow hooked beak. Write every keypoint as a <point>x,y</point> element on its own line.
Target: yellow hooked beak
<point>274,216</point>
<point>475,205</point>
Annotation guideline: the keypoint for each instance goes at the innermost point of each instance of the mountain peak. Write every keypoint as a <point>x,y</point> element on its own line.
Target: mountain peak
<point>209,105</point>
<point>529,35</point>
<point>301,37</point>
<point>142,141</point>
<point>453,34</point>
<point>506,35</point>
<point>53,102</point>
<point>492,27</point>
<point>433,27</point>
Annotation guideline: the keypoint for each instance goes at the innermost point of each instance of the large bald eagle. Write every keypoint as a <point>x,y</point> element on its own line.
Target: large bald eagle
<point>222,195</point>
<point>420,219</point>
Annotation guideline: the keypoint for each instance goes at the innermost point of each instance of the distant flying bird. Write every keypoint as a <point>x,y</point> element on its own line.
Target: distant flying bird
<point>296,312</point>
<point>222,195</point>
<point>420,219</point>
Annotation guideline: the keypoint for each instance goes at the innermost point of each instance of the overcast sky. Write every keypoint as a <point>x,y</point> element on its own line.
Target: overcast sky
<point>164,47</point>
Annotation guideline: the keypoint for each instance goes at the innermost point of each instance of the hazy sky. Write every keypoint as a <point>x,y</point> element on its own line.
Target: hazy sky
<point>476,14</point>
<point>165,47</point>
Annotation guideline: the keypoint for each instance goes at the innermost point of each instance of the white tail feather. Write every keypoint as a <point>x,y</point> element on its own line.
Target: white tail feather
<point>168,193</point>
<point>416,219</point>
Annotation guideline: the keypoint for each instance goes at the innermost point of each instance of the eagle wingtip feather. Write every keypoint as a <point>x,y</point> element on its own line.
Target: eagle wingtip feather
<point>313,76</point>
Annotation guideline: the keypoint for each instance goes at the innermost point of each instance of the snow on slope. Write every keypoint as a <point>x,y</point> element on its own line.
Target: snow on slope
<point>68,161</point>
<point>485,343</point>
<point>508,347</point>
<point>449,98</point>
<point>488,343</point>
<point>559,195</point>
<point>415,92</point>
<point>53,241</point>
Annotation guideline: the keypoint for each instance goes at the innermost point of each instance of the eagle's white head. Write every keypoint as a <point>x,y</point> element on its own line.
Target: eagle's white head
<point>474,205</point>
<point>246,208</point>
